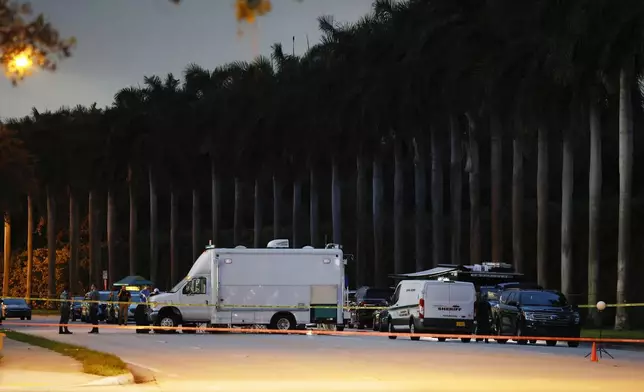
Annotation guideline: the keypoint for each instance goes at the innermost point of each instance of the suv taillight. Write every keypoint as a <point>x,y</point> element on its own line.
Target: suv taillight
<point>421,308</point>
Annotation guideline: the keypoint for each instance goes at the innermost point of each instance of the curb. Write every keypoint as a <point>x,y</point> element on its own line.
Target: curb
<point>123,379</point>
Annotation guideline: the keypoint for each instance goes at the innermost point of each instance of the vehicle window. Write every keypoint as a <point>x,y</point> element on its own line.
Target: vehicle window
<point>512,297</point>
<point>543,298</point>
<point>135,298</point>
<point>195,286</point>
<point>490,295</point>
<point>504,298</point>
<point>200,286</point>
<point>394,298</point>
<point>19,302</point>
<point>378,293</point>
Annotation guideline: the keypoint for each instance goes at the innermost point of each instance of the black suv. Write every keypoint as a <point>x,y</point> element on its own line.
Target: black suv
<point>368,297</point>
<point>543,313</point>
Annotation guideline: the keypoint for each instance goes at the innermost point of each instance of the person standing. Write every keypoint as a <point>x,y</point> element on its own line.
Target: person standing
<point>65,308</point>
<point>482,317</point>
<point>124,303</point>
<point>93,308</point>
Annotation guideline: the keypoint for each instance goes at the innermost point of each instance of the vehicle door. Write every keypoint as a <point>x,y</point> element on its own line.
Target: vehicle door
<point>508,313</point>
<point>497,311</point>
<point>195,300</point>
<point>395,308</point>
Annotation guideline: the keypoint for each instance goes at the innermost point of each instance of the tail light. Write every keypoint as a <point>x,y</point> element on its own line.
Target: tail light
<point>421,308</point>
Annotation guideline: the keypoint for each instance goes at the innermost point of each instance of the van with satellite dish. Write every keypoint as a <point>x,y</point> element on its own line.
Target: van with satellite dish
<point>424,306</point>
<point>276,287</point>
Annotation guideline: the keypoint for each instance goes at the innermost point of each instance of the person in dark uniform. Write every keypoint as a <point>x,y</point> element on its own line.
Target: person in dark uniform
<point>64,312</point>
<point>124,303</point>
<point>482,317</point>
<point>93,309</point>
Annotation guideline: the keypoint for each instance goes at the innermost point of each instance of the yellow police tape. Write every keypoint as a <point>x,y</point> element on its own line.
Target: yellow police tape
<point>232,306</point>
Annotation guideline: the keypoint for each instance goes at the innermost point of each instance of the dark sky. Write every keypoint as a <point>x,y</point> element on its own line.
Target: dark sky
<point>120,41</point>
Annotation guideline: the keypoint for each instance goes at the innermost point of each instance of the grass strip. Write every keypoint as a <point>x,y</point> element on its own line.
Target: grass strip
<point>46,312</point>
<point>94,362</point>
<point>613,334</point>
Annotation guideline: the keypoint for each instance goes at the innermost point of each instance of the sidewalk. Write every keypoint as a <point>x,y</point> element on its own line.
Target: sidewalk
<point>26,367</point>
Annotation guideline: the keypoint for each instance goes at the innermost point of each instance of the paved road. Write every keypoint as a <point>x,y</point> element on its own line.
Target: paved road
<point>238,362</point>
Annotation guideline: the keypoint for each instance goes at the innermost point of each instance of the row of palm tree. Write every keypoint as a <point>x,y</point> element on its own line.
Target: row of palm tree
<point>428,80</point>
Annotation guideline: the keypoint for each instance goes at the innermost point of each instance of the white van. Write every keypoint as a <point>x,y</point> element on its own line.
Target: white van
<point>439,306</point>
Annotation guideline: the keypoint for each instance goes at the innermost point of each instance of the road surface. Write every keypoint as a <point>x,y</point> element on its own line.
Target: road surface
<point>238,362</point>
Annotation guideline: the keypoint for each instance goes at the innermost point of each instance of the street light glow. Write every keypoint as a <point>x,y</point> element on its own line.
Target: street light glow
<point>22,61</point>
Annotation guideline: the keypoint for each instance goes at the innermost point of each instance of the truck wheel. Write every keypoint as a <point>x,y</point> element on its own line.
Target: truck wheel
<point>466,340</point>
<point>573,343</point>
<point>168,322</point>
<point>551,343</point>
<point>339,328</point>
<point>498,332</point>
<point>412,330</point>
<point>283,322</point>
<point>390,328</point>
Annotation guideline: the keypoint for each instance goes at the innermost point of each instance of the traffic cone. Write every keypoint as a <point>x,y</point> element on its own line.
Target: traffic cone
<point>593,353</point>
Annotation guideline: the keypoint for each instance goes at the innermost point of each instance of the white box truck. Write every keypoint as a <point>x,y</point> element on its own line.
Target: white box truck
<point>276,287</point>
<point>425,306</point>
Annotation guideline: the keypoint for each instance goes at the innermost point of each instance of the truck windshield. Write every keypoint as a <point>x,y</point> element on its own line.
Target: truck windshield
<point>543,299</point>
<point>378,293</point>
<point>178,286</point>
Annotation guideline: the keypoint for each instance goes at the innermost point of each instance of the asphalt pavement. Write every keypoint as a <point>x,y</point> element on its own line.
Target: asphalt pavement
<point>236,362</point>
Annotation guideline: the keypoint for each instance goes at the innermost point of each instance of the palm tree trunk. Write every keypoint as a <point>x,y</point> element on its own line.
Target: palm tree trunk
<point>94,240</point>
<point>74,241</point>
<point>7,255</point>
<point>336,201</point>
<point>30,246</point>
<point>314,208</point>
<point>111,237</point>
<point>257,219</point>
<point>594,206</point>
<point>196,216</point>
<point>277,210</point>
<point>625,189</point>
<point>174,232</point>
<point>133,222</point>
<point>517,203</point>
<point>238,217</point>
<point>378,224</point>
<point>297,211</point>
<point>475,194</point>
<point>362,226</point>
<point>420,194</point>
<point>438,236</point>
<point>51,244</point>
<point>496,174</point>
<point>542,207</point>
<point>456,185</point>
<point>399,208</point>
<point>154,228</point>
<point>215,201</point>
<point>566,213</point>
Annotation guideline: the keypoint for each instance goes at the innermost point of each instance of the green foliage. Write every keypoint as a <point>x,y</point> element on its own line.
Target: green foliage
<point>16,169</point>
<point>40,273</point>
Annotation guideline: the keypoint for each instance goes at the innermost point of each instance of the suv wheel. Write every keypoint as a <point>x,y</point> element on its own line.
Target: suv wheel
<point>573,343</point>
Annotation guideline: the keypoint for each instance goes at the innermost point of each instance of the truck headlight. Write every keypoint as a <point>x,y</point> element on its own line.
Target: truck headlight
<point>529,316</point>
<point>577,318</point>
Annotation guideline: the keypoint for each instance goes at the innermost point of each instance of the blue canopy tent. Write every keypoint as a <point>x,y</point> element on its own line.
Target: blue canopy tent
<point>133,281</point>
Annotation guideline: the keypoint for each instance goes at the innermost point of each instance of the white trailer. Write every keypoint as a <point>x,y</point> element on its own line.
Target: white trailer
<point>277,287</point>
